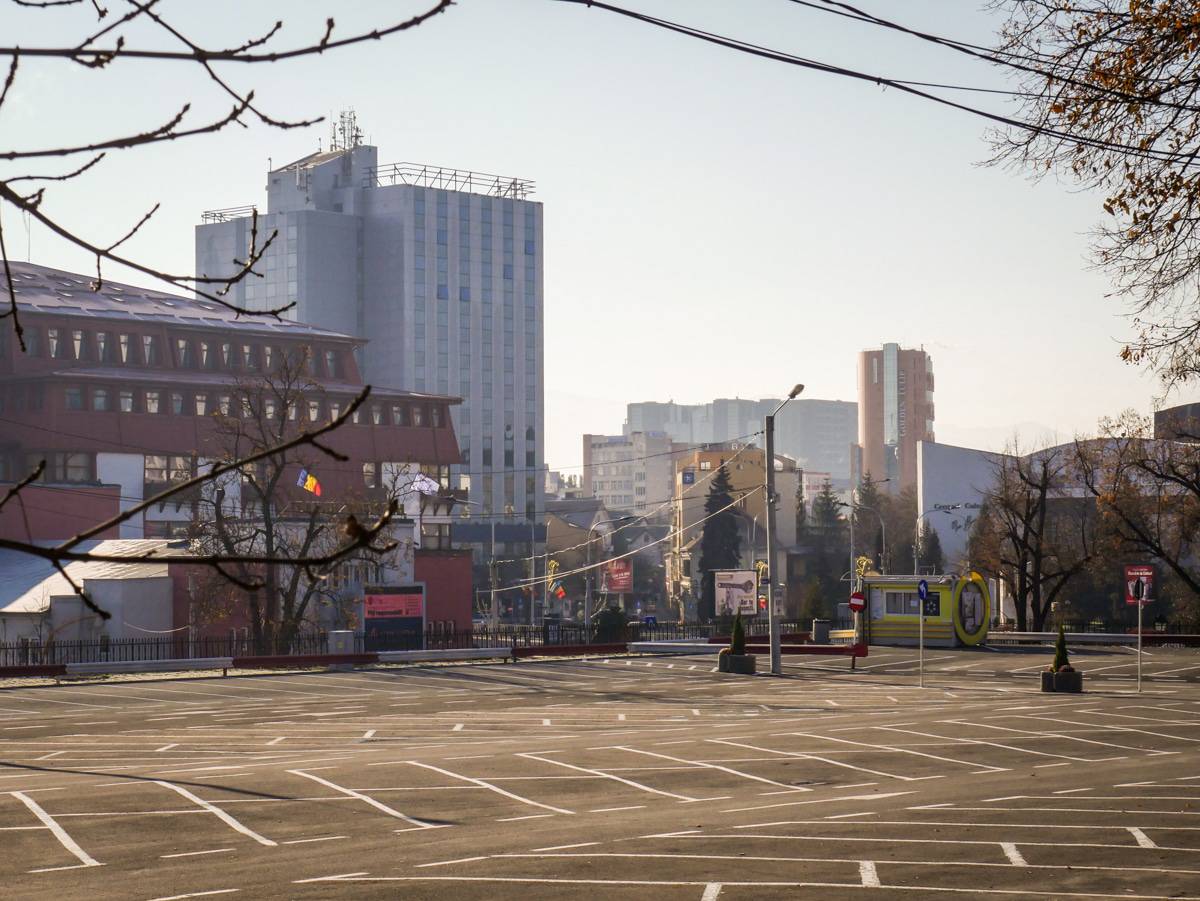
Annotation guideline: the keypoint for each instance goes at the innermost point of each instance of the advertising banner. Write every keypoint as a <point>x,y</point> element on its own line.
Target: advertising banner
<point>736,592</point>
<point>1139,584</point>
<point>393,617</point>
<point>618,575</point>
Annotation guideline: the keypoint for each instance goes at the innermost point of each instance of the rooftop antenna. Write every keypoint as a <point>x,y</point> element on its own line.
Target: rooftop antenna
<point>345,133</point>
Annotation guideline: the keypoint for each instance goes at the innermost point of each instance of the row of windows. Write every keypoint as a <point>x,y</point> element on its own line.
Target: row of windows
<point>199,403</point>
<point>187,353</point>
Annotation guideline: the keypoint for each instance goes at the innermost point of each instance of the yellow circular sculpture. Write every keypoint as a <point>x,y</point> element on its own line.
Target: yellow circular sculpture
<point>972,609</point>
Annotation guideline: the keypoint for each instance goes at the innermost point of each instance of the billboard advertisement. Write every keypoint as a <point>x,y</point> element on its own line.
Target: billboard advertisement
<point>618,575</point>
<point>736,592</point>
<point>393,617</point>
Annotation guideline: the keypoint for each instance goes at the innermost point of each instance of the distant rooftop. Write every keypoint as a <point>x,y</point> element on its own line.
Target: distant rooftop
<point>448,179</point>
<point>41,289</point>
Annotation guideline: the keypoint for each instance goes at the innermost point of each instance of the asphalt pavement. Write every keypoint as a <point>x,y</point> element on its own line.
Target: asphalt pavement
<point>622,778</point>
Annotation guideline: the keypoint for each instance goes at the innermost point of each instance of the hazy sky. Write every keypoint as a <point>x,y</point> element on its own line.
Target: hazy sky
<point>715,225</point>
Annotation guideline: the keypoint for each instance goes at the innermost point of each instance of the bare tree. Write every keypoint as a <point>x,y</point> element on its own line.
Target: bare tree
<point>144,34</point>
<point>1148,492</point>
<point>1111,100</point>
<point>1031,533</point>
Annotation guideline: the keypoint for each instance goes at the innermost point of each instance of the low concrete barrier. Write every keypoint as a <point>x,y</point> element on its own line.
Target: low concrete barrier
<point>443,654</point>
<point>674,647</point>
<point>44,670</point>
<point>148,666</point>
<point>569,650</point>
<point>1052,637</point>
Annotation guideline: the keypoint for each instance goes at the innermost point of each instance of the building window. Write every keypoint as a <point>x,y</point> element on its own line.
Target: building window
<point>155,469</point>
<point>248,356</point>
<point>332,370</point>
<point>53,345</point>
<point>902,602</point>
<point>177,403</point>
<point>399,414</point>
<point>73,398</point>
<point>149,350</point>
<point>33,341</point>
<point>418,415</point>
<point>78,345</point>
<point>335,410</point>
<point>152,401</point>
<point>371,475</point>
<point>314,410</point>
<point>269,409</point>
<point>126,401</point>
<point>103,347</point>
<point>487,450</point>
<point>201,404</point>
<point>435,536</point>
<point>64,466</point>
<point>376,414</point>
<point>291,411</point>
<point>435,416</point>
<point>100,399</point>
<point>226,354</point>
<point>705,465</point>
<point>223,404</point>
<point>179,467</point>
<point>207,359</point>
<point>268,357</point>
<point>123,343</point>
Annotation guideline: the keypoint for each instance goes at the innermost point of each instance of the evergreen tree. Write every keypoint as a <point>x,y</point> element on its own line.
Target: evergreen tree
<point>801,509</point>
<point>830,543</point>
<point>930,554</point>
<point>720,543</point>
<point>868,535</point>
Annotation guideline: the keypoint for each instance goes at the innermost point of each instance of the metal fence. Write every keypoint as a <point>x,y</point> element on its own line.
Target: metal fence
<point>123,650</point>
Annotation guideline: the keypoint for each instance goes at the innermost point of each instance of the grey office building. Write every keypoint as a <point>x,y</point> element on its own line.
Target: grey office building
<point>817,433</point>
<point>439,269</point>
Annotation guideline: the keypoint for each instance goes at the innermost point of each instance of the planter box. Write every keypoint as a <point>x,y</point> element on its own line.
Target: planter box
<point>1047,681</point>
<point>1070,681</point>
<point>723,663</point>
<point>743,664</point>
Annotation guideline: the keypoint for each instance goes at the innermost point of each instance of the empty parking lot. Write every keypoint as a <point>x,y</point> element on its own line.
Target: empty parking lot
<point>624,778</point>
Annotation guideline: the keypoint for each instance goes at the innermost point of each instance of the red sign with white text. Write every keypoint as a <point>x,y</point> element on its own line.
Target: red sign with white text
<point>619,575</point>
<point>379,606</point>
<point>1139,584</point>
<point>857,601</point>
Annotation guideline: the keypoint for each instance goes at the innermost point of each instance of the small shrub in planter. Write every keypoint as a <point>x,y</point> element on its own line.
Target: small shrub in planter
<point>1061,676</point>
<point>738,661</point>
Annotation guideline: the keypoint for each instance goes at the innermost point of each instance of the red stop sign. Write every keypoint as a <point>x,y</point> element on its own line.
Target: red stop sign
<point>857,601</point>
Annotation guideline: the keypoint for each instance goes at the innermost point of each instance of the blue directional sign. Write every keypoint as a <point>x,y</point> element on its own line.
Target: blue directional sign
<point>922,589</point>
<point>689,477</point>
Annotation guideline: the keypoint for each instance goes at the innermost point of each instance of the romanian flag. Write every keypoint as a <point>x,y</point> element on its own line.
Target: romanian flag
<point>558,590</point>
<point>309,482</point>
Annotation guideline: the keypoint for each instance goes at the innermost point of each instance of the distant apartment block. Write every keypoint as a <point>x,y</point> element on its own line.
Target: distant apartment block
<point>440,270</point>
<point>818,434</point>
<point>895,412</point>
<point>628,473</point>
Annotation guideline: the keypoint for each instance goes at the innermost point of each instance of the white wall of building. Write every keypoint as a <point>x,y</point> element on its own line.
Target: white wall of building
<point>129,472</point>
<point>948,475</point>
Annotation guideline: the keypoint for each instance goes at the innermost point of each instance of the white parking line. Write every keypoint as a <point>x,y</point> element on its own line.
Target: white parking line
<point>58,832</point>
<point>603,775</point>
<point>482,784</point>
<point>868,874</point>
<point>218,813</point>
<point>714,766</point>
<point>421,824</point>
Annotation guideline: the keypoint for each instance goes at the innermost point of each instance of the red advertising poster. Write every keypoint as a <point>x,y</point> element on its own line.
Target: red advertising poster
<point>1139,584</point>
<point>619,575</point>
<point>387,606</point>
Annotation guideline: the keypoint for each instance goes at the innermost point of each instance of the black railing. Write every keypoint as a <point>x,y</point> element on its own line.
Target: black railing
<point>126,650</point>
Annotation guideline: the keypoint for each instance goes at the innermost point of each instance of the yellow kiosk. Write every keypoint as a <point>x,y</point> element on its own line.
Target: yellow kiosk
<point>957,610</point>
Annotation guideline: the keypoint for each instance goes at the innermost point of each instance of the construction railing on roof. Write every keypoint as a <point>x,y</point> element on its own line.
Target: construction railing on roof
<point>233,212</point>
<point>448,179</point>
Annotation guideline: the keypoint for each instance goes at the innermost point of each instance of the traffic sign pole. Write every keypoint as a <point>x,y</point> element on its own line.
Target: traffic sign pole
<point>1140,606</point>
<point>922,594</point>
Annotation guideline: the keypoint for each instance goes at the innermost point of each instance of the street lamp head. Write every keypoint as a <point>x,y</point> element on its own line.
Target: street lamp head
<point>795,392</point>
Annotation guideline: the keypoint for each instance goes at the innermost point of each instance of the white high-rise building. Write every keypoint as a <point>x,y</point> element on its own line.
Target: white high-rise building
<point>439,269</point>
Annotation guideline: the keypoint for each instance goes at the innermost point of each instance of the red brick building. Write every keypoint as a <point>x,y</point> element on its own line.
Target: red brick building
<point>118,390</point>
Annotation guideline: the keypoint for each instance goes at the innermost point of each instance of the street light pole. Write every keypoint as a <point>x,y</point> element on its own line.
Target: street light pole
<point>772,616</point>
